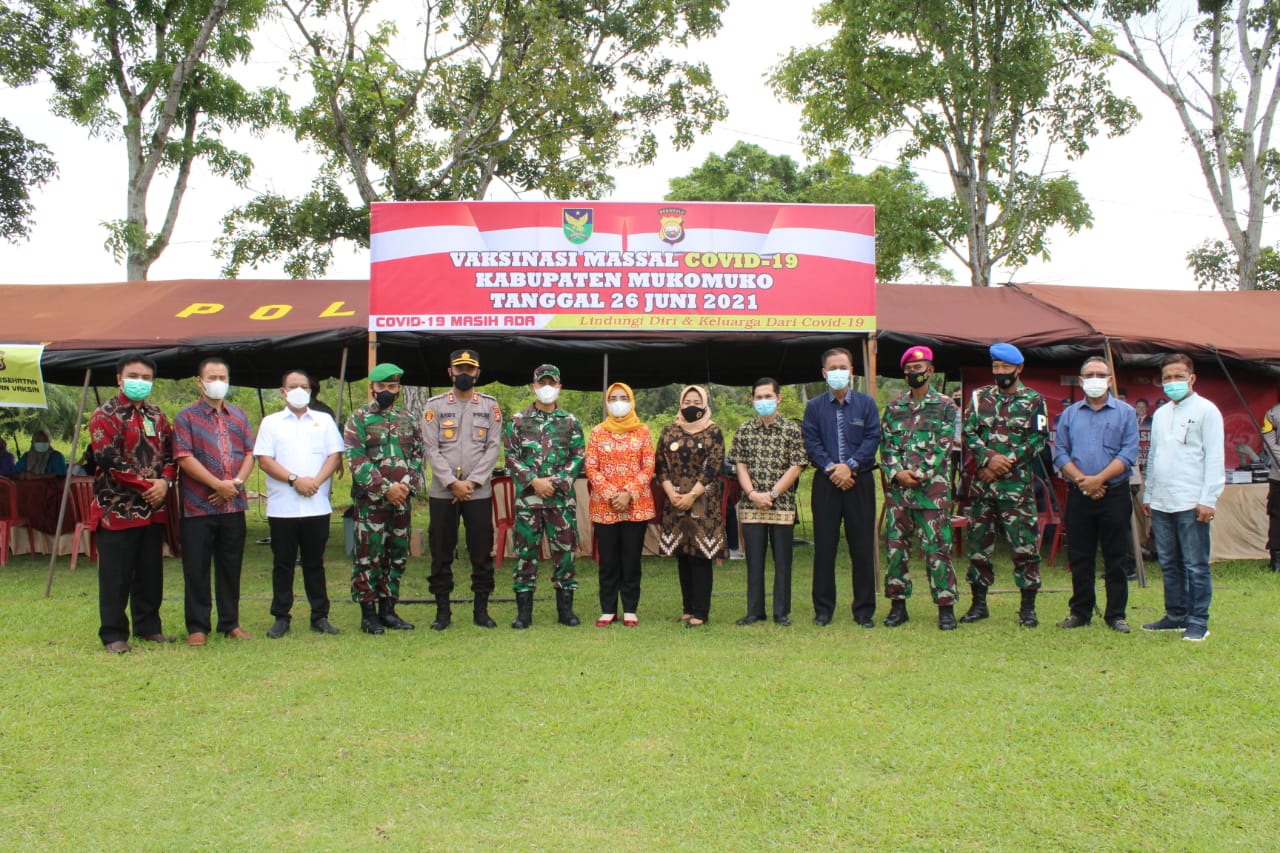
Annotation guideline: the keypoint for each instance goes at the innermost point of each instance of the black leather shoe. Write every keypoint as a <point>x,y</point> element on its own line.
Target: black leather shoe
<point>897,614</point>
<point>866,622</point>
<point>278,629</point>
<point>822,621</point>
<point>369,622</point>
<point>322,626</point>
<point>159,638</point>
<point>389,618</point>
<point>946,617</point>
<point>750,620</point>
<point>784,621</point>
<point>1119,625</point>
<point>119,647</point>
<point>1073,621</point>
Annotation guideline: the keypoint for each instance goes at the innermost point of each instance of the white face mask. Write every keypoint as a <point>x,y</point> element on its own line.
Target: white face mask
<point>40,446</point>
<point>216,389</point>
<point>299,398</point>
<point>838,379</point>
<point>1095,387</point>
<point>619,408</point>
<point>547,394</point>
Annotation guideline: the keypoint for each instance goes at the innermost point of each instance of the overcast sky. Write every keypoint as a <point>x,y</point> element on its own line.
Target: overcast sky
<point>1148,197</point>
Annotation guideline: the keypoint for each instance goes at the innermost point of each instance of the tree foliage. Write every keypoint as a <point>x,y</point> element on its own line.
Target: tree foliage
<point>544,96</point>
<point>157,76</point>
<point>1216,266</point>
<point>993,87</point>
<point>1224,84</point>
<point>907,219</point>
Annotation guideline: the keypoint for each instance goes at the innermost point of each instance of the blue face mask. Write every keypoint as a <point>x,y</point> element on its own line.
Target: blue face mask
<point>1175,391</point>
<point>137,389</point>
<point>838,379</point>
<point>765,408</point>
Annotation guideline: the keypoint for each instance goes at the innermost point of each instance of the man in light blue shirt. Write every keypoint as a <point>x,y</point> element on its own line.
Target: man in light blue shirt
<point>1185,476</point>
<point>1095,448</point>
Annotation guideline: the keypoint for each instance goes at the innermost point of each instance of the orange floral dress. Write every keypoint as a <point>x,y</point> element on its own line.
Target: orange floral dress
<point>618,462</point>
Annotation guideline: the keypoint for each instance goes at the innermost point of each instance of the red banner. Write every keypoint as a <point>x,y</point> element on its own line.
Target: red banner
<point>662,266</point>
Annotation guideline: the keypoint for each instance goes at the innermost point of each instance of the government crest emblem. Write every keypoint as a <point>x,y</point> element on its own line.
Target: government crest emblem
<point>671,224</point>
<point>577,222</point>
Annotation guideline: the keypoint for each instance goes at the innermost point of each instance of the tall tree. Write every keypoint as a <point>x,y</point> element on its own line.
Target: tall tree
<point>544,96</point>
<point>1216,266</point>
<point>27,41</point>
<point>907,219</point>
<point>156,74</point>
<point>1223,81</point>
<point>992,86</point>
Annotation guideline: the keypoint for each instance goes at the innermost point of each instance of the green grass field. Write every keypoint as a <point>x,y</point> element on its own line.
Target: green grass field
<point>992,737</point>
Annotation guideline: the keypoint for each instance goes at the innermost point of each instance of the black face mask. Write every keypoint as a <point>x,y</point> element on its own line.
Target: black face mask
<point>915,380</point>
<point>1006,380</point>
<point>464,381</point>
<point>692,413</point>
<point>385,399</point>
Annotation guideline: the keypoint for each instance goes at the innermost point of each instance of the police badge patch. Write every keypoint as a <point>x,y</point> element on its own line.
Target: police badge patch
<point>671,224</point>
<point>578,224</point>
<point>428,416</point>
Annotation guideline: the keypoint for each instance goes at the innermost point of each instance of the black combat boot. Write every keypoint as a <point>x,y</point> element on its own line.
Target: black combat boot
<point>564,608</point>
<point>369,618</point>
<point>524,610</point>
<point>946,617</point>
<point>1275,561</point>
<point>978,609</point>
<point>387,616</point>
<point>480,611</point>
<point>897,614</point>
<point>444,614</point>
<point>1027,613</point>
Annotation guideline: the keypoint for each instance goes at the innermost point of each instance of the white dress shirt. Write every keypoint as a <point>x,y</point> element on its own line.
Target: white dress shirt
<point>1186,463</point>
<point>300,443</point>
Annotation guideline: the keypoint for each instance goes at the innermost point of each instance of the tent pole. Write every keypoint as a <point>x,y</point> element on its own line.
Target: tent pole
<point>373,357</point>
<point>342,381</point>
<point>869,364</point>
<point>262,406</point>
<point>605,390</point>
<point>66,484</point>
<point>1133,528</point>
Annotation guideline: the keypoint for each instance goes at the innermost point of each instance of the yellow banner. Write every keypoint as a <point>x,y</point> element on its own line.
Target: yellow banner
<point>713,322</point>
<point>21,384</point>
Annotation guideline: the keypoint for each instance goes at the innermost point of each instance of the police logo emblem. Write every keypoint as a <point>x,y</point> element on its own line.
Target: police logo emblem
<point>578,224</point>
<point>428,416</point>
<point>497,414</point>
<point>671,224</point>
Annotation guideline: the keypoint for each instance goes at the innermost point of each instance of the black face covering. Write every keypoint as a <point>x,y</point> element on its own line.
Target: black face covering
<point>692,413</point>
<point>915,380</point>
<point>464,381</point>
<point>385,399</point>
<point>1006,380</point>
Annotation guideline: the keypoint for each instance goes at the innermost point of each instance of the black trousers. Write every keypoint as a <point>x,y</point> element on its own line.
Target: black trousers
<point>442,539</point>
<point>216,540</point>
<point>130,574</point>
<point>695,585</point>
<point>291,539</point>
<point>1090,524</point>
<point>757,539</point>
<point>1273,511</point>
<point>856,508</point>
<point>621,546</point>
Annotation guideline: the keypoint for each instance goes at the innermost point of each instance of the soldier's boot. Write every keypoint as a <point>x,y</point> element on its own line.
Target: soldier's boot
<point>946,617</point>
<point>369,619</point>
<point>444,613</point>
<point>480,611</point>
<point>1275,561</point>
<point>1027,613</point>
<point>564,608</point>
<point>897,614</point>
<point>387,616</point>
<point>524,610</point>
<point>978,608</point>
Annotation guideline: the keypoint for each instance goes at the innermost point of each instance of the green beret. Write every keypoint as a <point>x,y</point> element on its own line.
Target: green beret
<point>383,372</point>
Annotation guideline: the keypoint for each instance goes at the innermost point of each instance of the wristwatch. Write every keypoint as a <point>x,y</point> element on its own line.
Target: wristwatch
<point>773,493</point>
<point>293,478</point>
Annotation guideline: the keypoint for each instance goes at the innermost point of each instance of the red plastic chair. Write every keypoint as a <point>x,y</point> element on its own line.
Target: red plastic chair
<point>504,515</point>
<point>11,518</point>
<point>85,516</point>
<point>1055,497</point>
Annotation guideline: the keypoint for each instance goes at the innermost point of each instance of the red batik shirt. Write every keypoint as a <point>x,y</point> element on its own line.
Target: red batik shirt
<point>131,444</point>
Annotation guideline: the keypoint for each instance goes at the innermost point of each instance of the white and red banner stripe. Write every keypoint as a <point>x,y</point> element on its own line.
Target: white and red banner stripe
<point>650,266</point>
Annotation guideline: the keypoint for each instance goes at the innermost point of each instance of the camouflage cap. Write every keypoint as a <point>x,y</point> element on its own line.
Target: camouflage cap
<point>546,370</point>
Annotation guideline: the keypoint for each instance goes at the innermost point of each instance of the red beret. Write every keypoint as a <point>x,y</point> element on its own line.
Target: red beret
<point>916,354</point>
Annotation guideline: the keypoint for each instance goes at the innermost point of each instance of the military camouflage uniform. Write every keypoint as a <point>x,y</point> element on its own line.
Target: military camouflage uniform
<point>545,444</point>
<point>1015,425</point>
<point>382,448</point>
<point>917,438</point>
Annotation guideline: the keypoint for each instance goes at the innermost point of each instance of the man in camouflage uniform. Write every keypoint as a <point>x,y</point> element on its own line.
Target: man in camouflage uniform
<point>915,452</point>
<point>384,453</point>
<point>1005,429</point>
<point>545,450</point>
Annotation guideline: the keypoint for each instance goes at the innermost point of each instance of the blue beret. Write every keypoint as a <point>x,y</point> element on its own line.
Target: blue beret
<point>1007,353</point>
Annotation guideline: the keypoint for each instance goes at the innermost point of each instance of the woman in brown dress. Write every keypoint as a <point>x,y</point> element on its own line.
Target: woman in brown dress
<point>689,455</point>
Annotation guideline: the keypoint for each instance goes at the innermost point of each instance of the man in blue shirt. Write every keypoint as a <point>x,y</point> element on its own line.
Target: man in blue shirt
<point>1095,448</point>
<point>841,434</point>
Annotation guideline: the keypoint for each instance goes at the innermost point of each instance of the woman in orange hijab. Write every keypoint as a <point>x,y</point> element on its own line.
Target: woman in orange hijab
<point>619,466</point>
<point>689,455</point>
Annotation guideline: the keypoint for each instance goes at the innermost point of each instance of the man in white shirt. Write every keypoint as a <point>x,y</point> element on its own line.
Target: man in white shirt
<point>298,449</point>
<point>1185,476</point>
